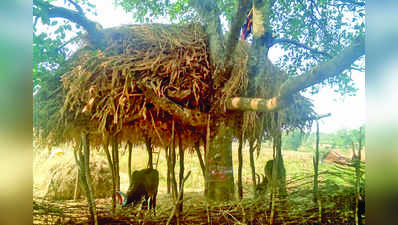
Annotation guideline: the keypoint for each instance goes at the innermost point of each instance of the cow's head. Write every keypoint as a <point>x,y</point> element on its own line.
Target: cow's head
<point>121,198</point>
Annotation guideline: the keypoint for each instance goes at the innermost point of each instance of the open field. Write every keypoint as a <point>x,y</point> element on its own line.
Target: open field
<point>298,165</point>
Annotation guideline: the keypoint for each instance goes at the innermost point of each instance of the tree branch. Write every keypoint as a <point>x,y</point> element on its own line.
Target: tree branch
<point>316,75</point>
<point>253,104</point>
<point>192,117</point>
<point>94,30</point>
<point>322,116</point>
<point>300,45</point>
<point>328,69</point>
<point>210,14</point>
<point>353,2</point>
<point>35,22</point>
<point>237,22</point>
<point>77,6</point>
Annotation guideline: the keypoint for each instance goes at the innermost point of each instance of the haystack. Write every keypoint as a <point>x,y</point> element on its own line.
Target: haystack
<point>61,182</point>
<point>334,156</point>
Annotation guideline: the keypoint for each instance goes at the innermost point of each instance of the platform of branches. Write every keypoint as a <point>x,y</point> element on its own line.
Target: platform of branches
<point>148,77</point>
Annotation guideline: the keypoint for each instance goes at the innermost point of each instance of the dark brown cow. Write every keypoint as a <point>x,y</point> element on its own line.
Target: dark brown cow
<point>145,184</point>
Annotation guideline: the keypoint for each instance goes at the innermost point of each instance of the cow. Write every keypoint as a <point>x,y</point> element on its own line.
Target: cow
<point>261,186</point>
<point>144,184</point>
<point>280,179</point>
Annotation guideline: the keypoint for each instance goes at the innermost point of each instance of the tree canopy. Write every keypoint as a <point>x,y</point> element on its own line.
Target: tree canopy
<point>310,32</point>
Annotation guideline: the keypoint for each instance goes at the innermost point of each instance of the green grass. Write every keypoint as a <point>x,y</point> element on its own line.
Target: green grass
<point>297,163</point>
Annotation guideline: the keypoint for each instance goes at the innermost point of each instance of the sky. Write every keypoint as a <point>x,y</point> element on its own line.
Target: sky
<point>348,112</point>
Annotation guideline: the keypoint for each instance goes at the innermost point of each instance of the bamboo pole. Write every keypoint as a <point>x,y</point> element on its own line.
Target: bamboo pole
<point>357,164</point>
<point>115,154</point>
<point>181,177</point>
<point>173,163</point>
<point>252,164</point>
<point>240,167</point>
<point>130,149</point>
<point>86,147</point>
<point>110,162</point>
<point>201,162</point>
<point>316,167</point>
<point>167,156</point>
<point>316,174</point>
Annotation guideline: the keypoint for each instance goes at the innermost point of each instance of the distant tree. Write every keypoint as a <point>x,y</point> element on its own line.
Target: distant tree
<point>292,140</point>
<point>344,138</point>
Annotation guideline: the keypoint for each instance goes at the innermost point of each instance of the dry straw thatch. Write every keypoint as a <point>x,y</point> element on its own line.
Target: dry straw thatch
<point>134,86</point>
<point>55,177</point>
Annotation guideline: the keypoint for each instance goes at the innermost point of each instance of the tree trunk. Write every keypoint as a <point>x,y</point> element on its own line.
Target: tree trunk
<point>252,164</point>
<point>240,167</point>
<point>219,168</point>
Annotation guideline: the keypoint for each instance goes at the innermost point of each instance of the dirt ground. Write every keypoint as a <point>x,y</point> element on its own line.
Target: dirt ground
<point>297,209</point>
<point>76,211</point>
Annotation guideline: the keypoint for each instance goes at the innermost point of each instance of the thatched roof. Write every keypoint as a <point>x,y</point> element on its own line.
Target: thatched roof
<point>128,88</point>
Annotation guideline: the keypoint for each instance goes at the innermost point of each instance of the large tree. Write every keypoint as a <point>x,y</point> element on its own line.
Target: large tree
<point>322,42</point>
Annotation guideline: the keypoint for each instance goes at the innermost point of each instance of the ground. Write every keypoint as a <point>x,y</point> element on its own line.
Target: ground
<point>297,208</point>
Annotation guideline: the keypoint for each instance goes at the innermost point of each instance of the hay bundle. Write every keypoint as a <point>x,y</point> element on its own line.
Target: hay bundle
<point>334,156</point>
<point>62,179</point>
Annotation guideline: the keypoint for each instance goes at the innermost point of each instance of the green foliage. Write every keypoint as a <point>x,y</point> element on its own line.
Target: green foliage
<point>148,11</point>
<point>177,11</point>
<point>324,26</point>
<point>346,138</point>
<point>51,39</point>
<point>342,139</point>
<point>292,140</point>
